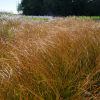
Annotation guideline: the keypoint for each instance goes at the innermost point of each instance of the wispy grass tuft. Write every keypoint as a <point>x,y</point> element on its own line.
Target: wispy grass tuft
<point>54,60</point>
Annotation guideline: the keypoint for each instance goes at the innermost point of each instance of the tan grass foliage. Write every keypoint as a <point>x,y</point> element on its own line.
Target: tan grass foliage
<point>57,59</point>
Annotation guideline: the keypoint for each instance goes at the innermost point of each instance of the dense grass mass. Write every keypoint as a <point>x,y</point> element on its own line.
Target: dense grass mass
<point>57,59</point>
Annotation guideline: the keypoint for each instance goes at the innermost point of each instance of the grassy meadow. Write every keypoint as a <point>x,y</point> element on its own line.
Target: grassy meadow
<point>58,59</point>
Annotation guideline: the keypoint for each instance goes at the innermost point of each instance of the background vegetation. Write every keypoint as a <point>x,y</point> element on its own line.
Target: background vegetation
<point>58,59</point>
<point>60,7</point>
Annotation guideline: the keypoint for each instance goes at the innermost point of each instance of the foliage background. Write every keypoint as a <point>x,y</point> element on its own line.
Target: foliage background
<point>60,7</point>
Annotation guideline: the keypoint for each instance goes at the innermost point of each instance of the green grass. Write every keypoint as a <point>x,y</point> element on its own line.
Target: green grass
<point>8,14</point>
<point>95,17</point>
<point>86,17</point>
<point>37,18</point>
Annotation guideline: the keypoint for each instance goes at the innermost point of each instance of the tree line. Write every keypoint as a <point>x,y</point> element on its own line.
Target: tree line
<point>60,7</point>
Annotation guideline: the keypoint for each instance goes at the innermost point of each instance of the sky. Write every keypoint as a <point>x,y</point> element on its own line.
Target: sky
<point>9,5</point>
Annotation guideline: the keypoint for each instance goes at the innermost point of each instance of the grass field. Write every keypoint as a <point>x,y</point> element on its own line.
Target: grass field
<point>57,59</point>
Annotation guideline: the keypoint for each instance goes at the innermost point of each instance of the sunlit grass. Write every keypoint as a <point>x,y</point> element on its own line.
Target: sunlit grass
<point>54,60</point>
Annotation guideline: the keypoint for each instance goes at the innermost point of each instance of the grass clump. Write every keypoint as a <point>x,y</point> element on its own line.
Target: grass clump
<point>55,60</point>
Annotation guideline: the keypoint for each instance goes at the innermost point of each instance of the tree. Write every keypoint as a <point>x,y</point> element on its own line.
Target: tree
<point>19,7</point>
<point>96,6</point>
<point>60,7</point>
<point>32,7</point>
<point>48,6</point>
<point>92,8</point>
<point>79,7</point>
